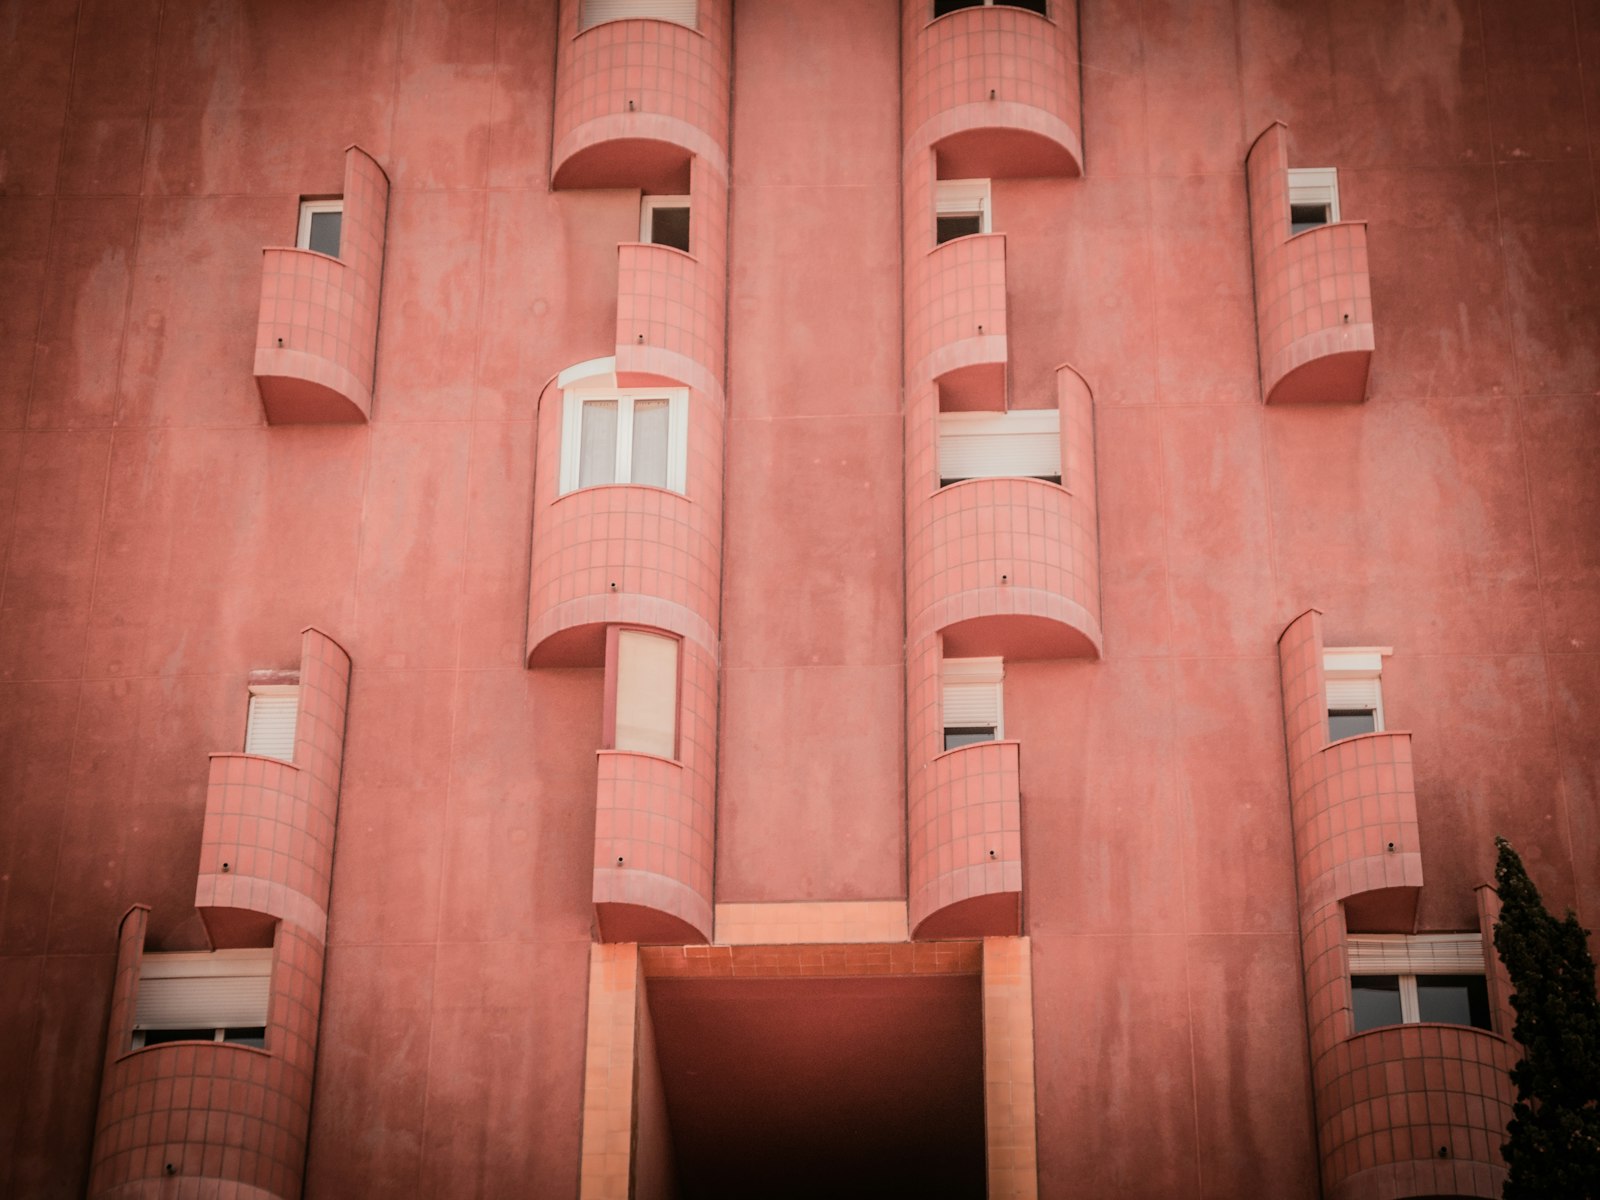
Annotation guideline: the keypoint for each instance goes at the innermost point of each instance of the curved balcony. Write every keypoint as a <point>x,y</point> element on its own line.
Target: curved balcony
<point>1008,565</point>
<point>214,1118</point>
<point>1415,1110</point>
<point>1313,294</point>
<point>316,336</point>
<point>966,843</point>
<point>956,321</point>
<point>636,99</point>
<point>622,554</point>
<point>670,326</point>
<point>993,90</point>
<point>652,850</point>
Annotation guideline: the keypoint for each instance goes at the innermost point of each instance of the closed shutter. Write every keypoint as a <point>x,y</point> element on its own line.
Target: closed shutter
<point>994,445</point>
<point>1345,695</point>
<point>1417,954</point>
<point>598,12</point>
<point>647,693</point>
<point>226,989</point>
<point>972,697</point>
<point>274,714</point>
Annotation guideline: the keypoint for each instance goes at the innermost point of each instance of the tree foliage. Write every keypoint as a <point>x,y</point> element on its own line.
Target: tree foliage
<point>1553,1146</point>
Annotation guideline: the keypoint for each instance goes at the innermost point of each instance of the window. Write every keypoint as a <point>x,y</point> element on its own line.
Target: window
<point>961,207</point>
<point>989,445</point>
<point>664,221</point>
<point>1355,702</point>
<point>217,997</point>
<point>274,716</point>
<point>1313,198</point>
<point>940,7</point>
<point>1395,979</point>
<point>972,701</point>
<point>636,436</point>
<point>598,12</point>
<point>646,693</point>
<point>320,224</point>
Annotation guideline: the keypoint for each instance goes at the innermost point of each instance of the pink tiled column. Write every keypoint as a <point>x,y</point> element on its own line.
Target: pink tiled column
<point>640,81</point>
<point>956,318</point>
<point>993,89</point>
<point>206,1118</point>
<point>1313,294</point>
<point>1010,1110</point>
<point>316,338</point>
<point>655,825</point>
<point>965,848</point>
<point>1404,1111</point>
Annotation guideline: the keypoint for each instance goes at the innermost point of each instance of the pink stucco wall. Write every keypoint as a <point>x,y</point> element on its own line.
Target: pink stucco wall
<point>159,540</point>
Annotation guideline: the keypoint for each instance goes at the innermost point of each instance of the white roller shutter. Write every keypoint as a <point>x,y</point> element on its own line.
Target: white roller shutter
<point>225,989</point>
<point>972,693</point>
<point>647,693</point>
<point>1416,954</point>
<point>991,445</point>
<point>1349,694</point>
<point>274,713</point>
<point>598,12</point>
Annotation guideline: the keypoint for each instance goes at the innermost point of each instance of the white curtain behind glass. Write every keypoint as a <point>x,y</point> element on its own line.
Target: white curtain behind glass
<point>650,442</point>
<point>597,452</point>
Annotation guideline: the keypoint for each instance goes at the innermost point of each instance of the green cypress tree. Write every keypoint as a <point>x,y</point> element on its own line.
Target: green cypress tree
<point>1553,1146</point>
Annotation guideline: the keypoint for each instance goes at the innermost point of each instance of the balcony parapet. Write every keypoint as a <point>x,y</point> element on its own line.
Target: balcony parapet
<point>1415,1110</point>
<point>670,320</point>
<point>966,843</point>
<point>653,850</point>
<point>956,321</point>
<point>994,90</point>
<point>637,98</point>
<point>266,850</point>
<point>215,1118</point>
<point>1313,293</point>
<point>317,333</point>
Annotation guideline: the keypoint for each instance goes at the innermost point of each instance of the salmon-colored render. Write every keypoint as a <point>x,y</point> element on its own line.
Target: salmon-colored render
<point>690,599</point>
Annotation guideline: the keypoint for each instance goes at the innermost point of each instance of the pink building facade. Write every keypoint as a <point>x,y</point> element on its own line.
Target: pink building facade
<point>701,598</point>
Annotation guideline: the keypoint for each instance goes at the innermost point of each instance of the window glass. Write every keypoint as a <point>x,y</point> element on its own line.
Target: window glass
<point>950,226</point>
<point>597,448</point>
<point>1307,216</point>
<point>647,693</point>
<point>1348,723</point>
<point>650,432</point>
<point>967,736</point>
<point>940,7</point>
<point>670,227</point>
<point>325,230</point>
<point>1453,999</point>
<point>1376,1000</point>
<point>156,1037</point>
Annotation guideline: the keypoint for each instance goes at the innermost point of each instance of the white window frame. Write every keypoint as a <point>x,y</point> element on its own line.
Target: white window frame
<point>573,400</point>
<point>1361,666</point>
<point>987,673</point>
<point>1314,185</point>
<point>1407,956</point>
<point>647,208</point>
<point>612,10</point>
<point>308,208</point>
<point>1015,422</point>
<point>960,198</point>
<point>273,690</point>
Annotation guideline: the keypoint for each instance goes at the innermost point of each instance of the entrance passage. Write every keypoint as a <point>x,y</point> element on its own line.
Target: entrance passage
<point>808,1087</point>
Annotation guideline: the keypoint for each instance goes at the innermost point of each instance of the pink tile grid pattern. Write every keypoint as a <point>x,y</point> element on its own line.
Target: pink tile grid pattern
<point>671,306</point>
<point>965,817</point>
<point>1390,1100</point>
<point>231,1121</point>
<point>616,992</point>
<point>655,819</point>
<point>1313,293</point>
<point>316,338</point>
<point>816,961</point>
<point>1009,1102</point>
<point>642,79</point>
<point>993,68</point>
<point>956,307</point>
<point>272,823</point>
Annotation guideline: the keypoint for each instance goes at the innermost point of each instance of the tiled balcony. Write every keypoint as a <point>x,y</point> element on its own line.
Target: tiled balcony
<point>635,99</point>
<point>208,1118</point>
<point>1313,294</point>
<point>670,320</point>
<point>966,843</point>
<point>993,89</point>
<point>956,321</point>
<point>316,337</point>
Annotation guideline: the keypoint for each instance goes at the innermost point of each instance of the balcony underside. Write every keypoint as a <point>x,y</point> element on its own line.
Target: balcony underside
<point>622,158</point>
<point>305,389</point>
<point>984,144</point>
<point>998,914</point>
<point>643,906</point>
<point>1338,376</point>
<point>975,387</point>
<point>1022,638</point>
